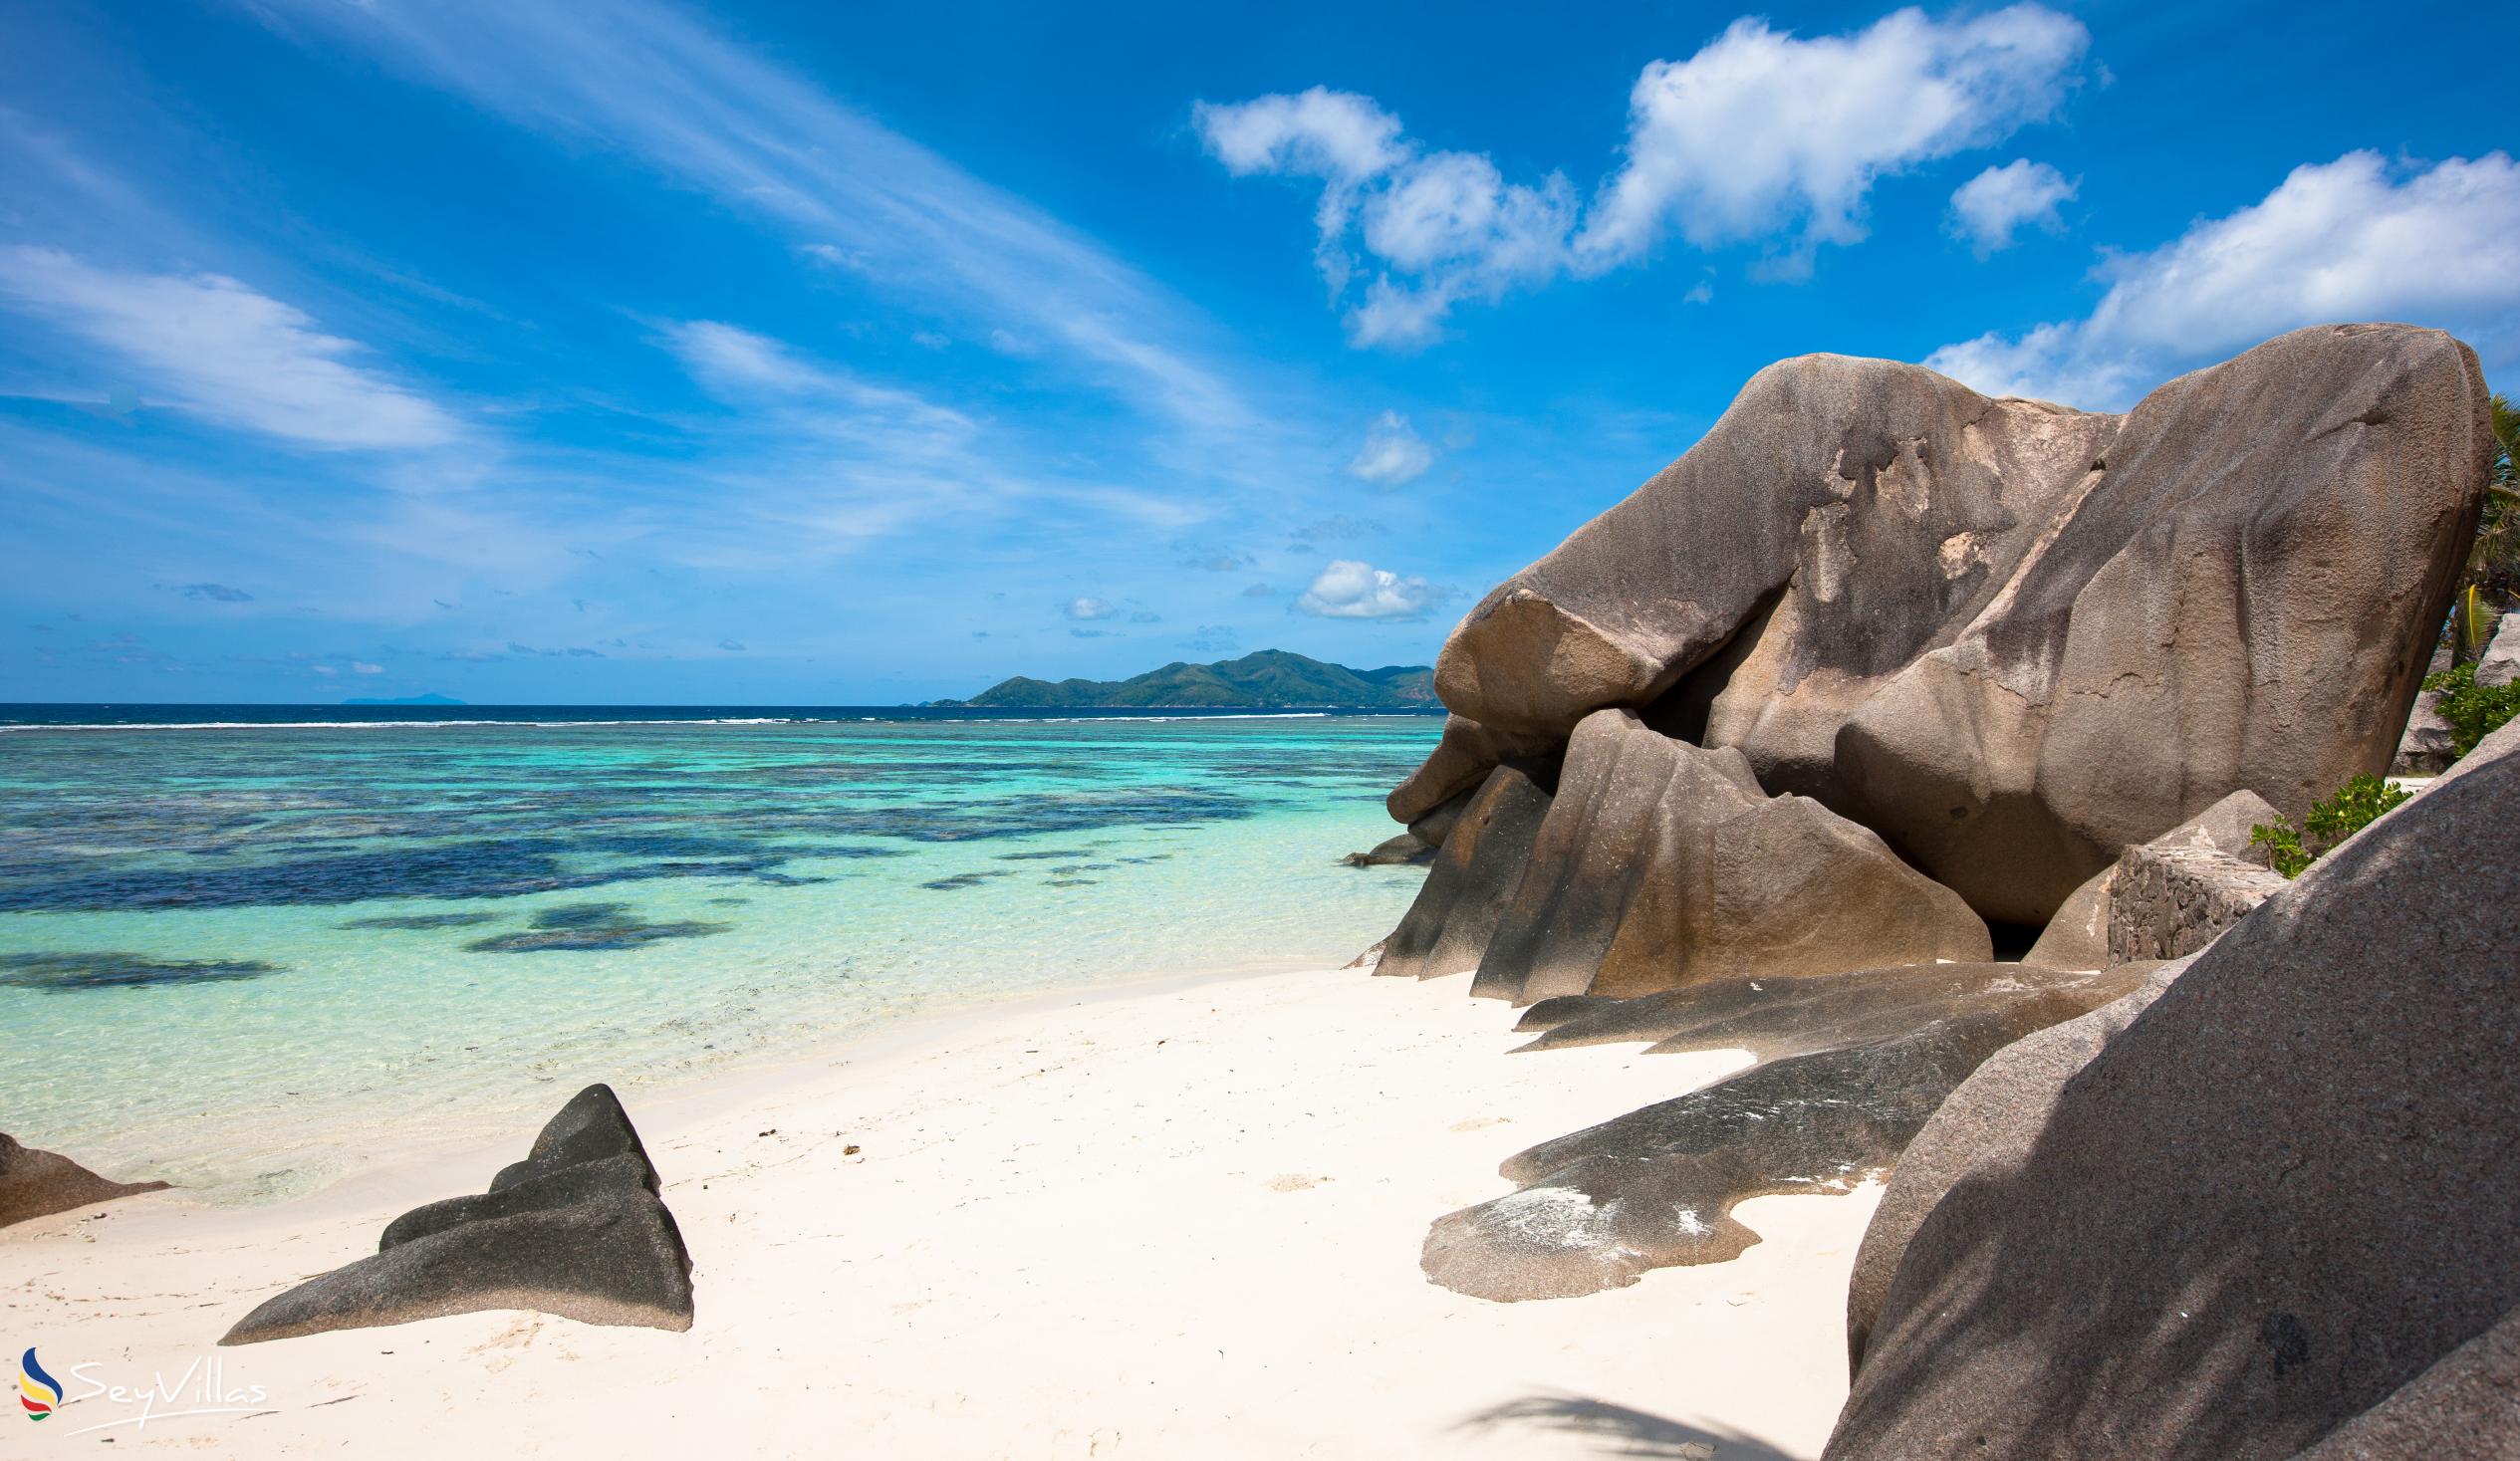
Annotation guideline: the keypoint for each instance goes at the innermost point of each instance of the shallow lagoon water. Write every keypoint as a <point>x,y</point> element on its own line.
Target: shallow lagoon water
<point>239,959</point>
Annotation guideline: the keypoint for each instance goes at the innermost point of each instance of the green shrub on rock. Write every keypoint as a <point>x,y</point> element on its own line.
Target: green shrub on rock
<point>2475,712</point>
<point>2331,822</point>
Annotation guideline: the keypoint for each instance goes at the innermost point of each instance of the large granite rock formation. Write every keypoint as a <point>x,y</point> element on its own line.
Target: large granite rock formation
<point>2011,638</point>
<point>36,1183</point>
<point>1447,930</point>
<point>1854,508</point>
<point>1661,865</point>
<point>576,1229</point>
<point>2244,599</point>
<point>1850,1066</point>
<point>2287,1193</point>
<point>1987,1125</point>
<point>2462,1407</point>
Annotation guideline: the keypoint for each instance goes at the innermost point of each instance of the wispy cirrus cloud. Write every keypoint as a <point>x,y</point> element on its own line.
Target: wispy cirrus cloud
<point>833,461</point>
<point>657,83</point>
<point>747,368</point>
<point>216,349</point>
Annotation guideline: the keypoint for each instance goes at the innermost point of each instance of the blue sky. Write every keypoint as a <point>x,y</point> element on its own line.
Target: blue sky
<point>621,351</point>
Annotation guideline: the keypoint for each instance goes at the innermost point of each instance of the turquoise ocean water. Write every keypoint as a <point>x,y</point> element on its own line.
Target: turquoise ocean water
<point>240,957</point>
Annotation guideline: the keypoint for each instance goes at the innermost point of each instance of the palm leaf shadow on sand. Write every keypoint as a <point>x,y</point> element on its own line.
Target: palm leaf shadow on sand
<point>1622,1430</point>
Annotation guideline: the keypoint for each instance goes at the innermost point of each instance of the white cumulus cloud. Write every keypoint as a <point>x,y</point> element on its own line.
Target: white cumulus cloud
<point>1761,134</point>
<point>1083,608</point>
<point>2360,238</point>
<point>1444,226</point>
<point>1763,131</point>
<point>1349,589</point>
<point>1991,207</point>
<point>221,351</point>
<point>1392,452</point>
<point>1319,134</point>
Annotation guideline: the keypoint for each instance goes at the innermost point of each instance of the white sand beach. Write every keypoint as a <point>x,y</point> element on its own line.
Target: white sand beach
<point>1175,1219</point>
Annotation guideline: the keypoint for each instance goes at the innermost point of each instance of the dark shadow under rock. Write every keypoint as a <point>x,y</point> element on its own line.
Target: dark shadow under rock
<point>34,1183</point>
<point>576,1229</point>
<point>1852,1066</point>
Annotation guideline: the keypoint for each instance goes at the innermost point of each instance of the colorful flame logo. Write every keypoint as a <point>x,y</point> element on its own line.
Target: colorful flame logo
<point>38,1391</point>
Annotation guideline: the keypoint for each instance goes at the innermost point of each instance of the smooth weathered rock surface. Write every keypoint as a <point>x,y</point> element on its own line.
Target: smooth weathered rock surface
<point>2500,663</point>
<point>590,1127</point>
<point>2078,936</point>
<point>1662,864</point>
<point>2285,1191</point>
<point>2241,598</point>
<point>36,1183</point>
<point>1447,928</point>
<point>1463,756</point>
<point>1438,825</point>
<point>613,1259</point>
<point>2467,1407</point>
<point>1987,1125</point>
<point>576,1229</point>
<point>557,1186</point>
<point>2168,903</point>
<point>1857,507</point>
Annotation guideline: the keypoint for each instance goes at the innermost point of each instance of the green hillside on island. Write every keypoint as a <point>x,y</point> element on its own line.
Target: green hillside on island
<point>1272,680</point>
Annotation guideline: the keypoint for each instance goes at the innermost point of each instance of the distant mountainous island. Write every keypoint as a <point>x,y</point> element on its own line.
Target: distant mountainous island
<point>1272,680</point>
